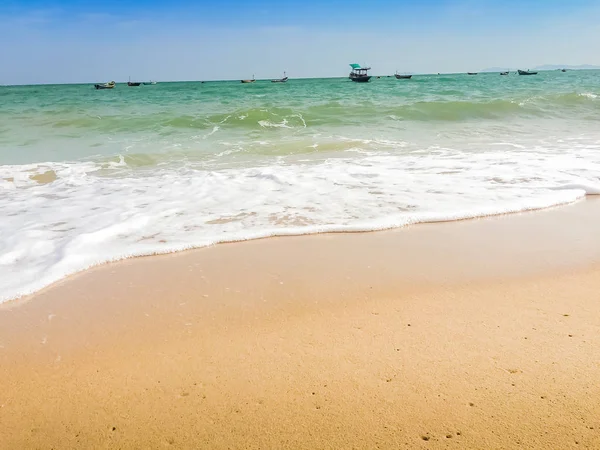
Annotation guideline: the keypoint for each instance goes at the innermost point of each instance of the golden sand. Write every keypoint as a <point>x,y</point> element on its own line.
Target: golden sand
<point>44,178</point>
<point>477,334</point>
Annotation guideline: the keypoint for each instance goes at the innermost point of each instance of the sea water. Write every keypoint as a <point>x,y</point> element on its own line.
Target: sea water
<point>89,176</point>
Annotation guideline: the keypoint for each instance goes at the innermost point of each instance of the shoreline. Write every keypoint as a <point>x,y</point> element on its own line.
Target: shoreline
<point>471,334</point>
<point>327,230</point>
<point>260,165</point>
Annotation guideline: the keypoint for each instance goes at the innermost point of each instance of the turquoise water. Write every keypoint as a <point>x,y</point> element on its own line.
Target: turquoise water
<point>88,176</point>
<point>70,122</point>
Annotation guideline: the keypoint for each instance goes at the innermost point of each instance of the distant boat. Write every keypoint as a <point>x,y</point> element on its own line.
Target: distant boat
<point>503,73</point>
<point>281,80</point>
<point>402,77</point>
<point>147,83</point>
<point>249,81</point>
<point>109,85</point>
<point>133,83</point>
<point>359,74</point>
<point>471,73</point>
<point>526,72</point>
<point>563,70</point>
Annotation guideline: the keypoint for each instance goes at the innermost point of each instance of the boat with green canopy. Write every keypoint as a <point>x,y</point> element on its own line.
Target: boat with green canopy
<point>359,74</point>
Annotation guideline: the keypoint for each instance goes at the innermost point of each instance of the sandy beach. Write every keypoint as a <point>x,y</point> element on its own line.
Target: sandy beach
<point>473,334</point>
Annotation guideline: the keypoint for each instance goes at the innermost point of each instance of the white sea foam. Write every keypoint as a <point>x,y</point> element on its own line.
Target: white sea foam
<point>269,124</point>
<point>213,131</point>
<point>93,212</point>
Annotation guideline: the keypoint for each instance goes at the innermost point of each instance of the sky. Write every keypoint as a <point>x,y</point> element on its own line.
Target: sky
<point>69,41</point>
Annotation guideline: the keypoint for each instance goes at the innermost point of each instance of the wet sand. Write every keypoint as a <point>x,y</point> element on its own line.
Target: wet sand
<point>473,334</point>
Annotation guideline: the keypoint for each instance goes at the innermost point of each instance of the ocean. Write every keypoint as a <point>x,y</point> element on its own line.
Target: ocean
<point>89,176</point>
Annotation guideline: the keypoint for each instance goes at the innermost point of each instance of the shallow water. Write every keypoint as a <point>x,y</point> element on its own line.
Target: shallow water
<point>90,176</point>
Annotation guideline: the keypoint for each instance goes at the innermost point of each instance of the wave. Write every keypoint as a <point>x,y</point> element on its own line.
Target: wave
<point>61,218</point>
<point>360,226</point>
<point>328,113</point>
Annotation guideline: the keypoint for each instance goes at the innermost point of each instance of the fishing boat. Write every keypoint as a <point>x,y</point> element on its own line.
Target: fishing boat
<point>503,73</point>
<point>526,72</point>
<point>471,73</point>
<point>148,83</point>
<point>249,81</point>
<point>281,80</point>
<point>402,77</point>
<point>133,83</point>
<point>359,74</point>
<point>109,85</point>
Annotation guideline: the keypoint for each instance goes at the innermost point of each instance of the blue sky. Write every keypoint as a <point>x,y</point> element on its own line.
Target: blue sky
<point>79,41</point>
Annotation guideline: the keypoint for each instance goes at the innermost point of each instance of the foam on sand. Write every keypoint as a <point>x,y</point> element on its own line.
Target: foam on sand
<point>88,213</point>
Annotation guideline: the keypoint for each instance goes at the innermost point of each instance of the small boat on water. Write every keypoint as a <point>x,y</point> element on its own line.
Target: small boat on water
<point>503,73</point>
<point>402,77</point>
<point>147,83</point>
<point>359,74</point>
<point>133,83</point>
<point>563,70</point>
<point>249,81</point>
<point>281,80</point>
<point>526,72</point>
<point>471,73</point>
<point>109,85</point>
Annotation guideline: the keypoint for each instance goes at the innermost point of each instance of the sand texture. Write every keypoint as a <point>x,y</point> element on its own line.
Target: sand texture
<point>479,334</point>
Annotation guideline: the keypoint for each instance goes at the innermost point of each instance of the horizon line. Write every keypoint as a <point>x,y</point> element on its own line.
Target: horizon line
<point>229,80</point>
